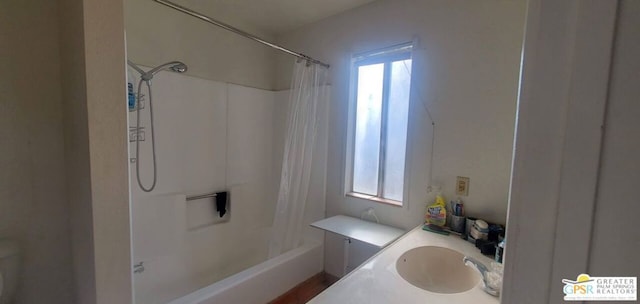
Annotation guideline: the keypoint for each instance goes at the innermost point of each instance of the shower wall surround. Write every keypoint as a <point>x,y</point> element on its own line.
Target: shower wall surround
<point>210,136</point>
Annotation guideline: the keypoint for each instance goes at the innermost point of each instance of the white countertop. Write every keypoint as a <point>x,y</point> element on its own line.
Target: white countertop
<point>378,281</point>
<point>357,229</point>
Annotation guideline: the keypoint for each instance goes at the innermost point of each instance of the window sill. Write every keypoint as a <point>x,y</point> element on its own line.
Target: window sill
<point>375,199</point>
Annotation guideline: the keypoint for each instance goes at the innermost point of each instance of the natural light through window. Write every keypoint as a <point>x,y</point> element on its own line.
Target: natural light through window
<point>379,124</point>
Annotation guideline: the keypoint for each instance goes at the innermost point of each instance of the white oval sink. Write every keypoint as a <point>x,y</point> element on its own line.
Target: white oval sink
<point>436,269</point>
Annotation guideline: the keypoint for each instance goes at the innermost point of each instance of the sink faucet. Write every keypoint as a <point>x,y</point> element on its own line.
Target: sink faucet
<point>482,269</point>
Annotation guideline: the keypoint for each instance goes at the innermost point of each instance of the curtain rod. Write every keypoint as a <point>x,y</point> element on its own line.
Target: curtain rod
<point>238,31</point>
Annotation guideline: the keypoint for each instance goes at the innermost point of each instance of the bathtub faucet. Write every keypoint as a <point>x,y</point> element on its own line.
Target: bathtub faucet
<point>138,268</point>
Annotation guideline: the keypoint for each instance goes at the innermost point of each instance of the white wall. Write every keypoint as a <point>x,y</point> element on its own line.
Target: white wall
<point>465,71</point>
<point>157,34</point>
<point>64,187</point>
<point>76,147</point>
<point>33,199</point>
<point>95,144</point>
<point>104,57</point>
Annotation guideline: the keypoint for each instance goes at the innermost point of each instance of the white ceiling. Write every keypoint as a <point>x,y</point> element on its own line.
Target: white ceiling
<point>271,17</point>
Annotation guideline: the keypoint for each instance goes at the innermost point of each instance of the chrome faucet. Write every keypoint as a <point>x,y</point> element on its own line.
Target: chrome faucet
<point>483,270</point>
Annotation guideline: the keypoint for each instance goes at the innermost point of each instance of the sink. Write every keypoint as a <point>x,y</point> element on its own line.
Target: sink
<point>436,269</point>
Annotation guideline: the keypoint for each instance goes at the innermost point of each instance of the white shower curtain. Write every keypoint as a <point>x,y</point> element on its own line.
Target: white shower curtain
<point>308,93</point>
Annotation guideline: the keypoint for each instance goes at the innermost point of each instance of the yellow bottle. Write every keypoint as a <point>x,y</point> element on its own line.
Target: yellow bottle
<point>437,213</point>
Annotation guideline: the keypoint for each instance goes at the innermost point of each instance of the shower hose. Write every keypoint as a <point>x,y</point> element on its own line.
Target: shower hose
<point>153,140</point>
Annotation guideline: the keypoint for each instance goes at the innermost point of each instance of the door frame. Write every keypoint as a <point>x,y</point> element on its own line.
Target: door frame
<point>564,82</point>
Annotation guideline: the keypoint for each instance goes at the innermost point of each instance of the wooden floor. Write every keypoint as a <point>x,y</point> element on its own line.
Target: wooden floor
<point>306,290</point>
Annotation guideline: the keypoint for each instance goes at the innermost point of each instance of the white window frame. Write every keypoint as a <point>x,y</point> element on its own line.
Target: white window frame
<point>387,56</point>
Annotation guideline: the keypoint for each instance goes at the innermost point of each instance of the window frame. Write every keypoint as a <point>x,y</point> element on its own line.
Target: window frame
<point>387,56</point>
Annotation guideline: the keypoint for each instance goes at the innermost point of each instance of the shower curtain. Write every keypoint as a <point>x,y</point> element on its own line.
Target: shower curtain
<point>308,94</point>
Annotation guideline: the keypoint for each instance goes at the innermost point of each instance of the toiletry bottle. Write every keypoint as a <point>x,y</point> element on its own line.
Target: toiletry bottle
<point>437,212</point>
<point>131,95</point>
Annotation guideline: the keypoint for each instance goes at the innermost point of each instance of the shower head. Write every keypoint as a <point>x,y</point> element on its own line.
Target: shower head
<point>179,67</point>
<point>175,66</point>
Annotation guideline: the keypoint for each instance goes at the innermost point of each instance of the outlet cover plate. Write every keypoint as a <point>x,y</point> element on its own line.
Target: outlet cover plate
<point>462,186</point>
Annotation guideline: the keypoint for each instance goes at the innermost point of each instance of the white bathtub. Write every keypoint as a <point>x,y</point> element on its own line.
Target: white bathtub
<point>263,282</point>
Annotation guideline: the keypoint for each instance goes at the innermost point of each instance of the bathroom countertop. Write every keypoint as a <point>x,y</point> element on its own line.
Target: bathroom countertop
<point>378,281</point>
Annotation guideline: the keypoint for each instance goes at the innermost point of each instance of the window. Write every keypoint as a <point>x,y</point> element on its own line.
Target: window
<point>378,124</point>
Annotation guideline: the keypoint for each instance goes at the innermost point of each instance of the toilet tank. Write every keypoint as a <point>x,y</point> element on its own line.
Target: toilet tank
<point>9,270</point>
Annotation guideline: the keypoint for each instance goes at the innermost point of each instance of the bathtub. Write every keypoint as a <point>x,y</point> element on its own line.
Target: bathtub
<point>263,282</point>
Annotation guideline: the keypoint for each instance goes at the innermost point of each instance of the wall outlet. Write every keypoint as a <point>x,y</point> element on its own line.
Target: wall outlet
<point>462,186</point>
